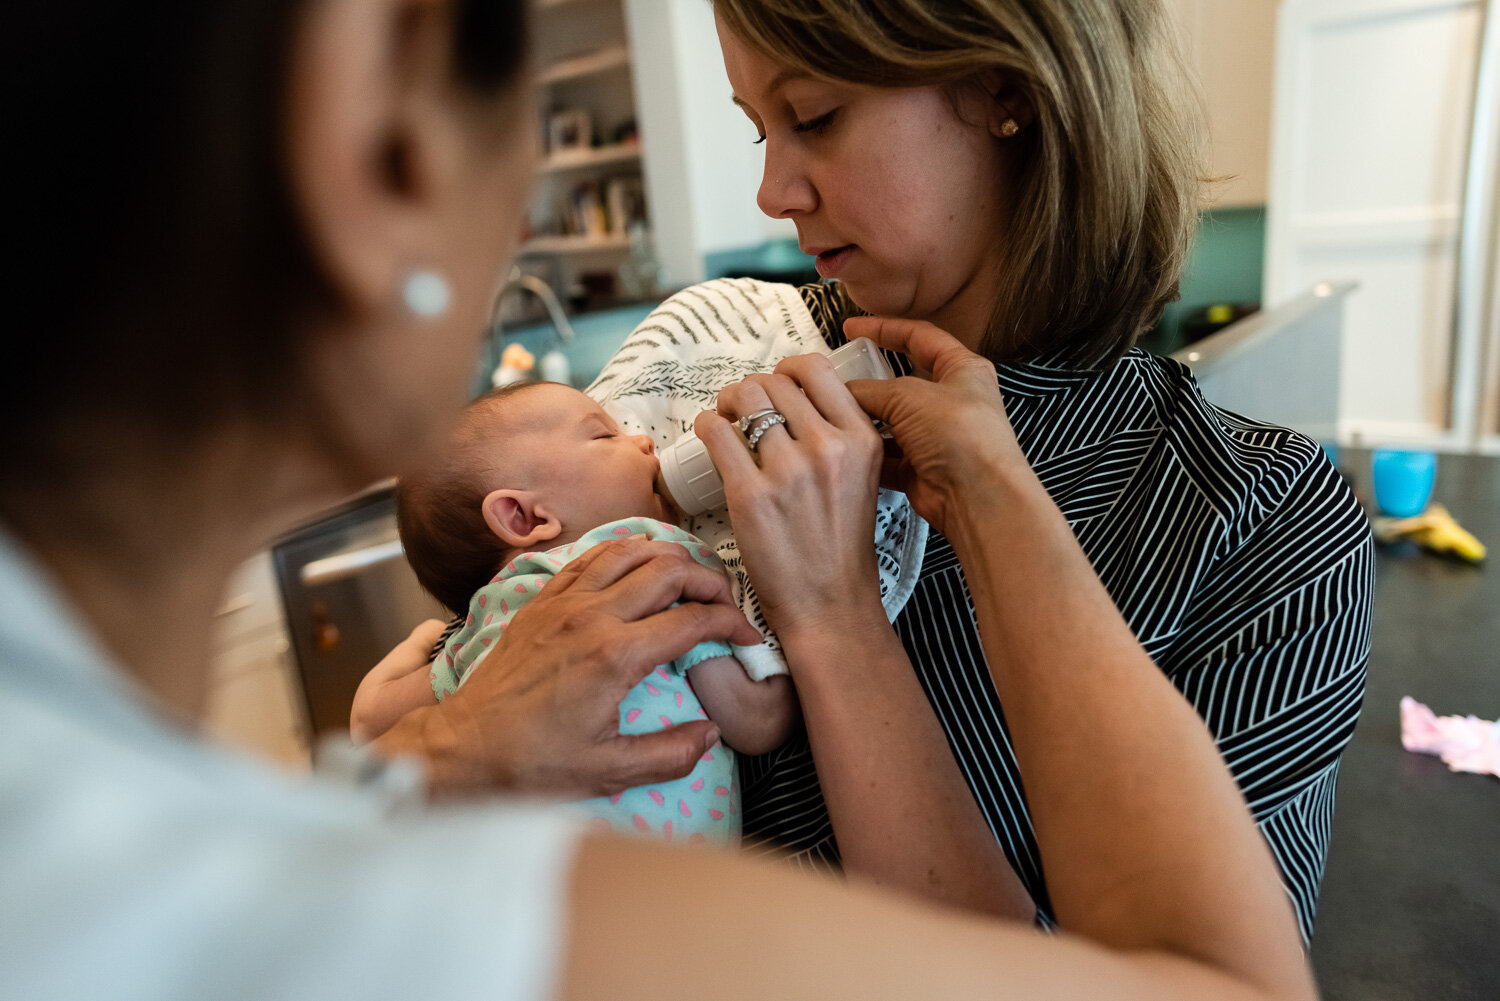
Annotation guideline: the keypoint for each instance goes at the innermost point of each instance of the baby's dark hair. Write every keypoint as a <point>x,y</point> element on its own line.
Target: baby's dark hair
<point>438,510</point>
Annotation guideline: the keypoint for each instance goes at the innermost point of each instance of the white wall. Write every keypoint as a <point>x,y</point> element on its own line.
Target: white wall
<point>702,166</point>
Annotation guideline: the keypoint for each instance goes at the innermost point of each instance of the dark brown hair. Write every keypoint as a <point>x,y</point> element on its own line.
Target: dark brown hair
<point>164,278</point>
<point>439,508</point>
<point>1111,170</point>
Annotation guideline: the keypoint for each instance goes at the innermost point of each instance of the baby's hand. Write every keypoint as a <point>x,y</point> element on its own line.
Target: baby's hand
<point>754,717</point>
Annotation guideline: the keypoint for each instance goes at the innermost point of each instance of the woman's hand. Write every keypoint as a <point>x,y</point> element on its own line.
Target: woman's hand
<point>805,521</point>
<point>544,714</point>
<point>948,421</point>
<point>804,516</point>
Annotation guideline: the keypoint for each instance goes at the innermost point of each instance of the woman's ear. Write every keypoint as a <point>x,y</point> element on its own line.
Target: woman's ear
<point>371,139</point>
<point>518,519</point>
<point>1008,108</point>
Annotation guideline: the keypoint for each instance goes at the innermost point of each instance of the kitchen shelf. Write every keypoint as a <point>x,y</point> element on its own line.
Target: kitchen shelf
<point>598,156</point>
<point>576,244</point>
<point>586,64</point>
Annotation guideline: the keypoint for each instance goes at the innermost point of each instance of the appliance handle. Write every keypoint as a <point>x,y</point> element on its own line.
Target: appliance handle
<point>345,565</point>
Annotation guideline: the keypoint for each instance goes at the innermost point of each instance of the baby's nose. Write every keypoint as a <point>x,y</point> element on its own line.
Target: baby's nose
<point>646,444</point>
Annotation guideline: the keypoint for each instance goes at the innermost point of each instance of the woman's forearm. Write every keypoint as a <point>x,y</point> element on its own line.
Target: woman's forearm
<point>902,813</point>
<point>1164,822</point>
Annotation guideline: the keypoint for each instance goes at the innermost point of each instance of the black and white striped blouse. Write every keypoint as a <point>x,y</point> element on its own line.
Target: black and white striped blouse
<point>1234,550</point>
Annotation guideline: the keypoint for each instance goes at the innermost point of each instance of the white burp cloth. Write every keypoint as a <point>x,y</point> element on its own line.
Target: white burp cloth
<point>673,365</point>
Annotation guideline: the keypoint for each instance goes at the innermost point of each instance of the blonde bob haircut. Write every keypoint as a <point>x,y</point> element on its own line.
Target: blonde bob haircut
<point>1109,172</point>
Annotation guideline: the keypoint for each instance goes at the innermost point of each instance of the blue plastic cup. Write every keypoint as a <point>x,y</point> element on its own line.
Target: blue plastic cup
<point>1403,481</point>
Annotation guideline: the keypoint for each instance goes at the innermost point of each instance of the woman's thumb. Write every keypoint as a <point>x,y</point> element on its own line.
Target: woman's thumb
<point>874,396</point>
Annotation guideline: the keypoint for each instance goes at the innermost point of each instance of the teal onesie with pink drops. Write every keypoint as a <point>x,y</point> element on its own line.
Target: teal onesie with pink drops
<point>704,805</point>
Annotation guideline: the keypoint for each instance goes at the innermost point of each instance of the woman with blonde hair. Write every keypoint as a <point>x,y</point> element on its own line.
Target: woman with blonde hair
<point>274,230</point>
<point>1026,176</point>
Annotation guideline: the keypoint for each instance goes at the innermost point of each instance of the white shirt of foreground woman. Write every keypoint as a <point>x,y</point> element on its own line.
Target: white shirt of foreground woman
<point>140,863</point>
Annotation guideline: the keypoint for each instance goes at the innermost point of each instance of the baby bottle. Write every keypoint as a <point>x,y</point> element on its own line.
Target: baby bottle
<point>689,475</point>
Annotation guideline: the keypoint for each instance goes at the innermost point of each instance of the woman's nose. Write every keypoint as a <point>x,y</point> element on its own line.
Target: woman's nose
<point>785,189</point>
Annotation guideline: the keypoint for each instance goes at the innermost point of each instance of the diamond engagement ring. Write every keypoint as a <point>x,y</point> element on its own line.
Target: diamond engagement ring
<point>758,423</point>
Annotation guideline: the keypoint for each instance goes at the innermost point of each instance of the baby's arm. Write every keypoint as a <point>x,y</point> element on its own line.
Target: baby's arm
<point>754,717</point>
<point>396,685</point>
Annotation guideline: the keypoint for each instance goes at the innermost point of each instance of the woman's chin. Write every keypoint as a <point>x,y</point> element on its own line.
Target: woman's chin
<point>877,298</point>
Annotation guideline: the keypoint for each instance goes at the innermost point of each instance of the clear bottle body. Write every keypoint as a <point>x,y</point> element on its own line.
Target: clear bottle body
<point>688,474</point>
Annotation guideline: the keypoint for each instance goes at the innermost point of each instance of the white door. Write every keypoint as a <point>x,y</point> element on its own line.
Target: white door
<point>1373,113</point>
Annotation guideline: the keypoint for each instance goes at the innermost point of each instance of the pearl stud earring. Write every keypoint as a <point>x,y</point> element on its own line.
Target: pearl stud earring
<point>425,294</point>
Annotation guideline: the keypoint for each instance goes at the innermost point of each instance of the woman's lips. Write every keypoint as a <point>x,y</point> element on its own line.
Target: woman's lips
<point>830,262</point>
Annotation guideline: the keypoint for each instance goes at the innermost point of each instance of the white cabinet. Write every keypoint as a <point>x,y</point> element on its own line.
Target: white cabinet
<point>1231,45</point>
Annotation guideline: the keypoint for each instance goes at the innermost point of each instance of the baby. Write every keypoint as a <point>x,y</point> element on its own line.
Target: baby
<point>533,476</point>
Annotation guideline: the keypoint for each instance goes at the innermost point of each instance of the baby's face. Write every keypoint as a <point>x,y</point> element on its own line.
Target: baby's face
<point>581,463</point>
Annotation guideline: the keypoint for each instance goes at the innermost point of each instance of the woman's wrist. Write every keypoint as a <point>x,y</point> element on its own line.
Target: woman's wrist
<point>432,736</point>
<point>851,638</point>
<point>997,497</point>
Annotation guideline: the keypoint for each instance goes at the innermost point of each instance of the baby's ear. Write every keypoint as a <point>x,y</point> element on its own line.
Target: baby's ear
<point>516,517</point>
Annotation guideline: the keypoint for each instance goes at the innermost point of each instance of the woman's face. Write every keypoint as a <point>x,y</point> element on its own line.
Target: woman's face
<point>428,365</point>
<point>898,194</point>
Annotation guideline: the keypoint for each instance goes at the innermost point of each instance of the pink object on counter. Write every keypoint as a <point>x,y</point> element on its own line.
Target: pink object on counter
<point>1465,743</point>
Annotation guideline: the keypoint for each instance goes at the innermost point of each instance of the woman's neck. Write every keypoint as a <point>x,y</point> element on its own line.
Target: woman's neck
<point>966,315</point>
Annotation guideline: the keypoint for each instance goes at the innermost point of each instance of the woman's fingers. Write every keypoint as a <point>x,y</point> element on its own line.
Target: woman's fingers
<point>672,632</point>
<point>725,446</point>
<point>634,579</point>
<point>877,398</point>
<point>641,759</point>
<point>931,349</point>
<point>742,398</point>
<point>657,571</point>
<point>603,566</point>
<point>814,374</point>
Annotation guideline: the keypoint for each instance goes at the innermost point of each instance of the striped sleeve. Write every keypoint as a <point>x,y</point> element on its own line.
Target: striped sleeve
<point>1272,654</point>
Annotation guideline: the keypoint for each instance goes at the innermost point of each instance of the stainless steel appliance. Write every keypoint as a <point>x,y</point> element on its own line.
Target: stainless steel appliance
<point>349,596</point>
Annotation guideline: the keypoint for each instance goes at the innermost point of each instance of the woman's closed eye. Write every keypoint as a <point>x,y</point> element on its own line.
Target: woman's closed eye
<point>814,126</point>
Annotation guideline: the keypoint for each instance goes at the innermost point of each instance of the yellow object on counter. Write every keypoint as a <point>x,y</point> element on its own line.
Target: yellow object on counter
<point>1433,529</point>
